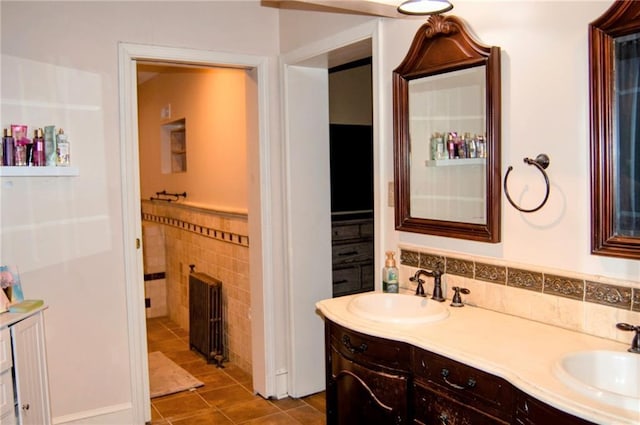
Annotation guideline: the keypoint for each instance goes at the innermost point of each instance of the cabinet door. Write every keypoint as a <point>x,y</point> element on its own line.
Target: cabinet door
<point>29,359</point>
<point>361,395</point>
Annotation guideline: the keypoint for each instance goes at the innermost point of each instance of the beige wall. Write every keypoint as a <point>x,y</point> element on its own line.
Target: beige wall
<point>212,103</point>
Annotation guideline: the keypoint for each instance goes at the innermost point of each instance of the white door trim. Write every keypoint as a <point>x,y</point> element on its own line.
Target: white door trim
<point>261,275</point>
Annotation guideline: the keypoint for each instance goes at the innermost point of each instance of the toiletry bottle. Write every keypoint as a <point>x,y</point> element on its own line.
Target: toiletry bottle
<point>7,147</point>
<point>63,151</point>
<point>390,274</point>
<point>39,159</point>
<point>20,152</point>
<point>50,145</point>
<point>451,145</point>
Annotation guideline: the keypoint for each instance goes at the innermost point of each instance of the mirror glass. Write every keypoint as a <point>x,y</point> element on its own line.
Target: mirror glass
<point>446,109</point>
<point>447,134</point>
<point>614,71</point>
<point>627,140</point>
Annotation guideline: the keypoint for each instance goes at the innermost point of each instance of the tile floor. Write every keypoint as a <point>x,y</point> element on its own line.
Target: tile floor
<point>226,397</point>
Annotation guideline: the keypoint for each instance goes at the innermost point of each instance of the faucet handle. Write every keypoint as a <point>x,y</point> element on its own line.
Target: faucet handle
<point>635,342</point>
<point>456,301</point>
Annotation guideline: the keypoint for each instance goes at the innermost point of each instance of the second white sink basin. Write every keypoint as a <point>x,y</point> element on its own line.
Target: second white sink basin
<point>397,308</point>
<point>611,377</point>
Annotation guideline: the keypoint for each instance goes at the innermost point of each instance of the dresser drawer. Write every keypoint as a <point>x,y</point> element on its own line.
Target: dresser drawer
<point>352,253</point>
<point>479,389</point>
<point>352,229</point>
<point>6,359</point>
<point>369,350</point>
<point>352,279</point>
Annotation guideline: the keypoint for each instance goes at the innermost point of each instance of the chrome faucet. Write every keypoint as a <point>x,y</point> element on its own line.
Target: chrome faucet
<point>437,283</point>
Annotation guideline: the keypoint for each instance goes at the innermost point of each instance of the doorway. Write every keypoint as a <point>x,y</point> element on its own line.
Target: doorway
<point>193,129</point>
<point>261,277</point>
<point>308,209</point>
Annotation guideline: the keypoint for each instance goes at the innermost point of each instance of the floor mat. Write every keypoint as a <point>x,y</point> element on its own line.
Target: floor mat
<point>166,377</point>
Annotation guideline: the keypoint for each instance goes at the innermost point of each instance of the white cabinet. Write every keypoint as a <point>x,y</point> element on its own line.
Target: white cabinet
<point>24,387</point>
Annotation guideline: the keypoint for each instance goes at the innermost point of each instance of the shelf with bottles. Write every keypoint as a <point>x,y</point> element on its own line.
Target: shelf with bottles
<point>6,171</point>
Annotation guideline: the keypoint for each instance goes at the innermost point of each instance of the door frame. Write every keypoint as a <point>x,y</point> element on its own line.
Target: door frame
<point>261,270</point>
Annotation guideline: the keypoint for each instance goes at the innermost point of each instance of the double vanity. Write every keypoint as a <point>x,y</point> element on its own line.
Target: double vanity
<point>397,358</point>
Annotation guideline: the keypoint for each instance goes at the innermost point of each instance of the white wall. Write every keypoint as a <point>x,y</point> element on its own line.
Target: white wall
<point>59,66</point>
<point>545,96</point>
<point>545,108</point>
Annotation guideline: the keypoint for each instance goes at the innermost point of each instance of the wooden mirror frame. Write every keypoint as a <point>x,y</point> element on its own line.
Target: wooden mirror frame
<point>441,45</point>
<point>622,18</point>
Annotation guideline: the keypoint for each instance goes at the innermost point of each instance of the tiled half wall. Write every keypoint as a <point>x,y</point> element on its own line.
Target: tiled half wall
<point>217,243</point>
<point>588,304</point>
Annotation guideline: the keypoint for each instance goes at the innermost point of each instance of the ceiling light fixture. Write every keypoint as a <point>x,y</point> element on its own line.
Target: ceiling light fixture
<point>424,7</point>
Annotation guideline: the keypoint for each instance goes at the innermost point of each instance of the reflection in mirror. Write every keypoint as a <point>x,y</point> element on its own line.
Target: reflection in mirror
<point>614,59</point>
<point>448,148</point>
<point>627,109</point>
<point>446,110</point>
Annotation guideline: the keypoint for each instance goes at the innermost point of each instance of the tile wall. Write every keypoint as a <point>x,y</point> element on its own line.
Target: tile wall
<point>217,244</point>
<point>588,304</point>
<point>155,283</point>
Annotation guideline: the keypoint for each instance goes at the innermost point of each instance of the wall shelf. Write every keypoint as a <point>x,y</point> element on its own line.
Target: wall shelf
<point>38,171</point>
<point>455,161</point>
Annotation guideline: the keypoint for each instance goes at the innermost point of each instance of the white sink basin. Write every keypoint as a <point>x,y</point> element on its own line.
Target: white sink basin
<point>611,377</point>
<point>397,308</point>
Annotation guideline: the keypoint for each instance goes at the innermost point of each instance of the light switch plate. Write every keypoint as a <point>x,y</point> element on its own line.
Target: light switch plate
<point>390,197</point>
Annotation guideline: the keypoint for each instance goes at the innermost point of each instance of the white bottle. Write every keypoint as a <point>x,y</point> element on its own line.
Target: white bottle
<point>390,274</point>
<point>63,150</point>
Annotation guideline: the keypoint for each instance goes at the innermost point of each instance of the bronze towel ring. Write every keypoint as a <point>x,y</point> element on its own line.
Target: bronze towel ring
<point>541,162</point>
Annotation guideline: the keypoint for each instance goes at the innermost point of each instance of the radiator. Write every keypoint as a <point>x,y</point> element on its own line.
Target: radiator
<point>205,317</point>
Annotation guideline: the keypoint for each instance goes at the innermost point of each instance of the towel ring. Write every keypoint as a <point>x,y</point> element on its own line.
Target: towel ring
<point>541,163</point>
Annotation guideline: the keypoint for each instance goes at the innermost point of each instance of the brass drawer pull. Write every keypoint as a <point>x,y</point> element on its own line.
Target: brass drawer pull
<point>346,341</point>
<point>471,383</point>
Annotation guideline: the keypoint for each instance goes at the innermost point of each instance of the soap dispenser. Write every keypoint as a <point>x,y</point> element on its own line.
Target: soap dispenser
<point>390,274</point>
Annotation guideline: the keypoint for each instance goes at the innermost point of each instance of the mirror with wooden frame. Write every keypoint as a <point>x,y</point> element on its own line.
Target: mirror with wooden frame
<point>446,109</point>
<point>614,73</point>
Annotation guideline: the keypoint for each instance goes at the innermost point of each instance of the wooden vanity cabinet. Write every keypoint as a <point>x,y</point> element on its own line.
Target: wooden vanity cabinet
<point>372,380</point>
<point>367,378</point>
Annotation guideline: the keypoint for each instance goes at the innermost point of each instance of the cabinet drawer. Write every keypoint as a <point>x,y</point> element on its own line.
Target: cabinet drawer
<point>533,412</point>
<point>345,231</point>
<point>469,385</point>
<point>352,252</point>
<point>352,279</point>
<point>346,280</point>
<point>370,350</point>
<point>7,402</point>
<point>432,407</point>
<point>6,359</point>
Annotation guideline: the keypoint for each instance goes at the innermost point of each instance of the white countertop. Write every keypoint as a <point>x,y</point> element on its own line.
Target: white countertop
<point>521,351</point>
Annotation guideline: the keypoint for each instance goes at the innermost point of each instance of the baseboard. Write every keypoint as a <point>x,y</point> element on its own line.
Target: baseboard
<point>108,415</point>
